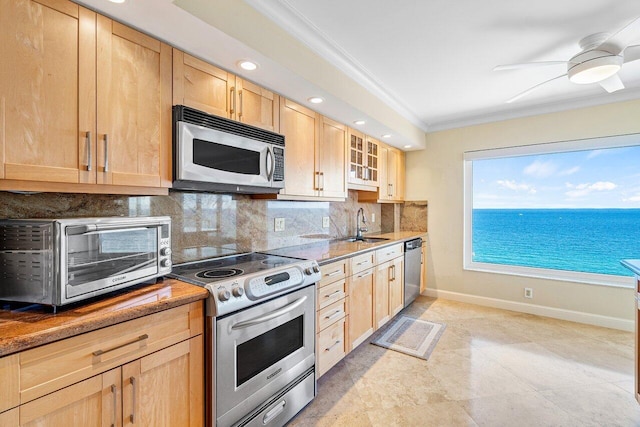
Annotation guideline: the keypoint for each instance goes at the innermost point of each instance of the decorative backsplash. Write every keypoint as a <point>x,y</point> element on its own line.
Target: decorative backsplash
<point>206,225</point>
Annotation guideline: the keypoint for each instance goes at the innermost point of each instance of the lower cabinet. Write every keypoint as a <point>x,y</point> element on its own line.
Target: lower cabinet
<point>159,387</point>
<point>389,292</point>
<point>361,320</point>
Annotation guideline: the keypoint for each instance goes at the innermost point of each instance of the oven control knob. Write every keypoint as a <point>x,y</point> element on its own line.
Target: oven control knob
<point>165,263</point>
<point>316,269</point>
<point>308,271</point>
<point>224,295</point>
<point>238,292</point>
<point>165,251</point>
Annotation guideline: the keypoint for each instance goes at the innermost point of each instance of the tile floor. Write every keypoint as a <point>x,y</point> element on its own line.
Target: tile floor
<point>490,368</point>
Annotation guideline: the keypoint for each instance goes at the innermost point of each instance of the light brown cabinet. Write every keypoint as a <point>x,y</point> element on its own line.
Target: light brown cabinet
<point>361,315</point>
<point>389,291</point>
<point>83,101</point>
<point>392,177</point>
<point>205,87</point>
<point>423,269</point>
<point>146,371</point>
<point>363,162</point>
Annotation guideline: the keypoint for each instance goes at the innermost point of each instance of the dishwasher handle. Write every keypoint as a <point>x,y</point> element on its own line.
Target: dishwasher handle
<point>413,244</point>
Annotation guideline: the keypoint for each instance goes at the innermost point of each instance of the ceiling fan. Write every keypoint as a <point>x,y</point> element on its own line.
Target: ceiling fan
<point>599,61</point>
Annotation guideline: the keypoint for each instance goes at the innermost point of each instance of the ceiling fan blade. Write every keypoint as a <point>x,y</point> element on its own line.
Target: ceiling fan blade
<point>623,38</point>
<point>612,84</point>
<point>527,65</point>
<point>531,89</point>
<point>632,53</point>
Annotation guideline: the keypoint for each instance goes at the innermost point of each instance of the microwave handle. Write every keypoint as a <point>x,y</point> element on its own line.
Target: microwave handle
<point>270,169</point>
<point>90,228</point>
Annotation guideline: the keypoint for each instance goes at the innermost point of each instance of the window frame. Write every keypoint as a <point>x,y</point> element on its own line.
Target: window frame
<point>596,143</point>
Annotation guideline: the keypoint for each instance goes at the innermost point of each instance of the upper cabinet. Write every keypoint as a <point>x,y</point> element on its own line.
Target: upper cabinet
<point>315,154</point>
<point>83,101</point>
<point>207,88</point>
<point>392,177</point>
<point>363,162</point>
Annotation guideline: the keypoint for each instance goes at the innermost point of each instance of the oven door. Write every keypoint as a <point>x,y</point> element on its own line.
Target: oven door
<point>261,350</point>
<point>209,155</point>
<point>100,260</point>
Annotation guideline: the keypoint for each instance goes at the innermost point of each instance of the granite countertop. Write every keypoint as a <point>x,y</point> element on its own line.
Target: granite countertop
<point>632,264</point>
<point>333,250</point>
<point>34,325</point>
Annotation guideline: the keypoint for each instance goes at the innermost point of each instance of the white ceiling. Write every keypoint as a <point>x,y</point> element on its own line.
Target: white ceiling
<point>428,61</point>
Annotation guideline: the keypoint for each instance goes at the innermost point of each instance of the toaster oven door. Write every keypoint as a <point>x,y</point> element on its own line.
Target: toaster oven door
<point>95,261</point>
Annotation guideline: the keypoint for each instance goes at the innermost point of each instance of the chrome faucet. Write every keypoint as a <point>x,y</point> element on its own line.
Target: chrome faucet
<point>359,229</point>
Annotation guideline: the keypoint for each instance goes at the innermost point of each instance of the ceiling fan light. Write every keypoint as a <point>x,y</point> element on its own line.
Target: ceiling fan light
<point>595,70</point>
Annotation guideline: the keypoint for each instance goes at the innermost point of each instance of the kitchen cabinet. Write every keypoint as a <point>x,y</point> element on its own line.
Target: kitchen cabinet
<point>207,88</point>
<point>145,371</point>
<point>361,290</point>
<point>423,270</point>
<point>330,170</point>
<point>332,319</point>
<point>10,380</point>
<point>363,162</point>
<point>84,101</point>
<point>391,177</point>
<point>389,297</point>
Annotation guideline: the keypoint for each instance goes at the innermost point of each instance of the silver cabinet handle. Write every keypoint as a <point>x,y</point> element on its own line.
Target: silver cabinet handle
<point>89,159</point>
<point>333,293</point>
<point>333,345</point>
<point>363,262</point>
<point>333,273</point>
<point>140,338</point>
<point>232,92</point>
<point>132,417</point>
<point>393,268</point>
<point>115,404</point>
<point>272,315</point>
<point>334,315</point>
<point>317,184</point>
<point>364,275</point>
<point>274,412</point>
<point>322,177</point>
<point>240,110</point>
<point>106,152</point>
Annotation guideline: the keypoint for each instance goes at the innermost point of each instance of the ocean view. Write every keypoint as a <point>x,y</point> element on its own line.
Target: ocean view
<point>586,240</point>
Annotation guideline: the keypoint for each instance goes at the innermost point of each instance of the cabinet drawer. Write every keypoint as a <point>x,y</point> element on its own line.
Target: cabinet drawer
<point>389,253</point>
<point>330,314</point>
<point>9,380</point>
<point>333,272</point>
<point>331,346</point>
<point>361,262</point>
<point>53,366</point>
<point>331,293</point>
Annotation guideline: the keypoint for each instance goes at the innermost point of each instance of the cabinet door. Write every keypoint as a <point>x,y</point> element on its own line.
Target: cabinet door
<point>47,91</point>
<point>299,125</point>
<point>10,380</point>
<point>423,269</point>
<point>331,155</point>
<point>396,287</point>
<point>372,165</point>
<point>257,106</point>
<point>202,86</point>
<point>134,107</point>
<point>357,158</point>
<point>383,279</point>
<point>361,319</point>
<point>165,388</point>
<point>92,402</point>
<point>399,187</point>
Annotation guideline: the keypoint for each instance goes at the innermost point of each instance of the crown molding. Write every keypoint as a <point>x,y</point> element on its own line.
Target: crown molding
<point>287,17</point>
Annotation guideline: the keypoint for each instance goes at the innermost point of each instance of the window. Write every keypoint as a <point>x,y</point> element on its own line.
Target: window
<point>567,210</point>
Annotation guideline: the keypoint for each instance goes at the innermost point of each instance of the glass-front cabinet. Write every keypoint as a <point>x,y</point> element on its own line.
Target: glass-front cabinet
<point>363,161</point>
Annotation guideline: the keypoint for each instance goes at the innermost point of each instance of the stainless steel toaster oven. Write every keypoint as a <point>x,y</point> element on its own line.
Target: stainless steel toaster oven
<point>61,261</point>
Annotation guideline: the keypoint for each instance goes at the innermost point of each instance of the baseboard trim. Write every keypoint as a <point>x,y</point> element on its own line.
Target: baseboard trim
<point>556,313</point>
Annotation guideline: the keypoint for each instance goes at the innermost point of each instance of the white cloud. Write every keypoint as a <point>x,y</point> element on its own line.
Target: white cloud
<point>594,153</point>
<point>569,171</point>
<point>540,169</point>
<point>633,199</point>
<point>513,185</point>
<point>585,189</point>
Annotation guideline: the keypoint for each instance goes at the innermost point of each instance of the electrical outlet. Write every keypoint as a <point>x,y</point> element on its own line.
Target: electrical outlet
<point>278,224</point>
<point>528,292</point>
<point>325,222</point>
<point>373,217</point>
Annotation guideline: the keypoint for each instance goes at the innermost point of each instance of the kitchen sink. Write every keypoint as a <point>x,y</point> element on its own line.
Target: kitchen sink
<point>366,239</point>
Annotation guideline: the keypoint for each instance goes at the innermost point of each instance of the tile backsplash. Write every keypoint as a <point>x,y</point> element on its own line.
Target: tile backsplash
<point>206,225</point>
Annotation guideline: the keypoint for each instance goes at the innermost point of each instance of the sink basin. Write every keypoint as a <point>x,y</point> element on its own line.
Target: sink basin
<point>367,239</point>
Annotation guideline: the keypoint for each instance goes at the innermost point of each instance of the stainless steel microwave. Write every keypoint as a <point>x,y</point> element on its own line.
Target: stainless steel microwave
<point>61,261</point>
<point>212,153</point>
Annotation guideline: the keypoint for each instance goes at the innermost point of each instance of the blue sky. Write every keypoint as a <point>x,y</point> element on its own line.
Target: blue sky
<point>607,178</point>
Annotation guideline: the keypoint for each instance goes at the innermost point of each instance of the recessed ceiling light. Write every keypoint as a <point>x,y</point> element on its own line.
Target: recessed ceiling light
<point>315,100</point>
<point>117,1</point>
<point>407,146</point>
<point>386,135</point>
<point>359,122</point>
<point>245,64</point>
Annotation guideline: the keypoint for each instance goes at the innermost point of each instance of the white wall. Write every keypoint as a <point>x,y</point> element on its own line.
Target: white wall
<point>436,175</point>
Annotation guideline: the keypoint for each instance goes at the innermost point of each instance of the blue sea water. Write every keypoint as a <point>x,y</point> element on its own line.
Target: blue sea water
<point>585,240</point>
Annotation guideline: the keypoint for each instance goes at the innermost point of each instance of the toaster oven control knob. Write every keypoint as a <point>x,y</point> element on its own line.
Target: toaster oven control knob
<point>224,295</point>
<point>165,263</point>
<point>238,292</point>
<point>165,251</point>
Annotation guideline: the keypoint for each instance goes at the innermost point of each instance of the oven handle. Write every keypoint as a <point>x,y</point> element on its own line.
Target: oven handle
<point>256,320</point>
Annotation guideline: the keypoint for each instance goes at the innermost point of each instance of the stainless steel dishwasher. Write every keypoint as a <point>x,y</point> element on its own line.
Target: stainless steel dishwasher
<point>412,266</point>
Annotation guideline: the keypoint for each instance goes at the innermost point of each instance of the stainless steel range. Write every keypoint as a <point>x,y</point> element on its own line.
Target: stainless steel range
<point>260,336</point>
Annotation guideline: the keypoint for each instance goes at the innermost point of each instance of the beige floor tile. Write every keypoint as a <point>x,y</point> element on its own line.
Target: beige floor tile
<point>360,419</point>
<point>449,414</point>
